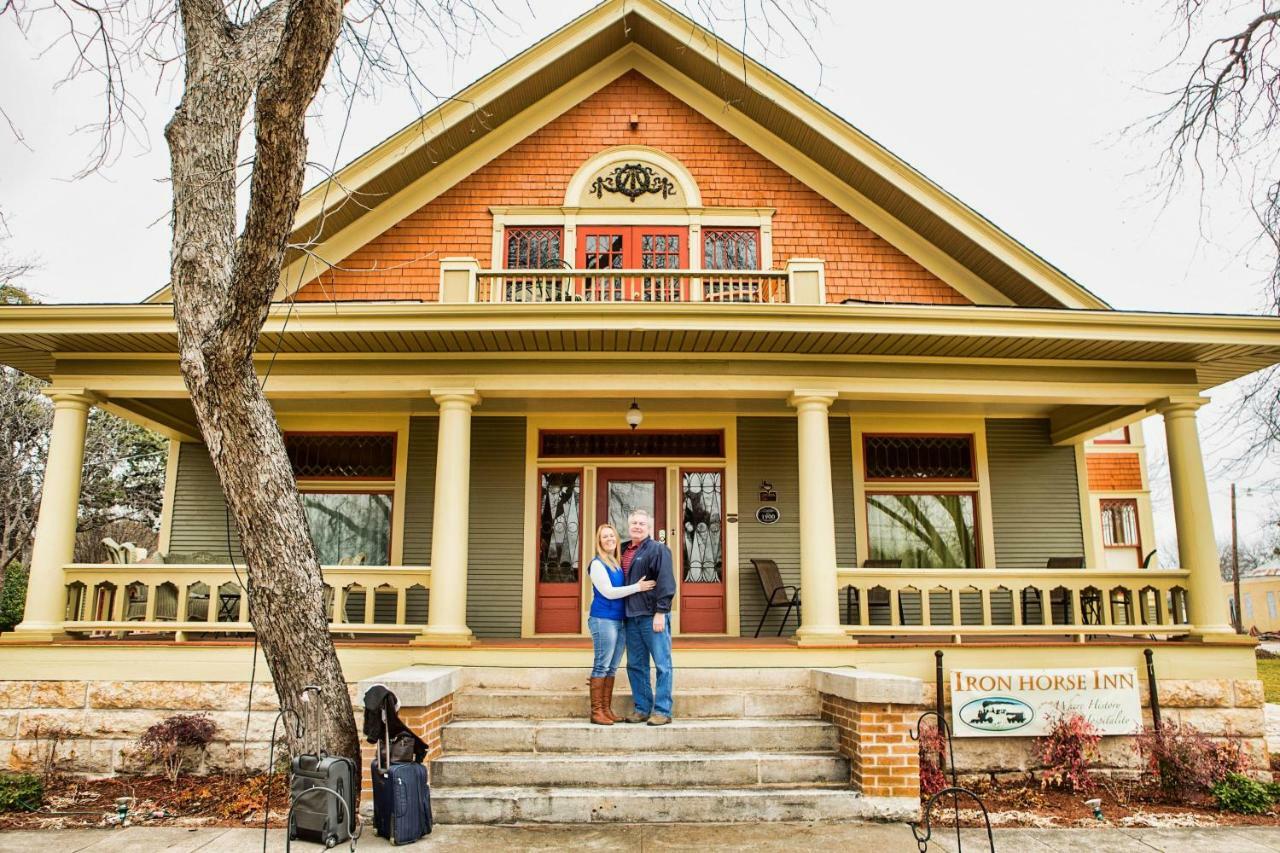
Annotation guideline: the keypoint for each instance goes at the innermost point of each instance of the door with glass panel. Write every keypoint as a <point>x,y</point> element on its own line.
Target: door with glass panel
<point>619,491</point>
<point>633,247</point>
<point>561,545</point>
<point>701,551</point>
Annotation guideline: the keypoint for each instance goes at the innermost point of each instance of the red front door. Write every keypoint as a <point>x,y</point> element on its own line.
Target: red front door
<point>633,247</point>
<point>561,545</point>
<point>701,556</point>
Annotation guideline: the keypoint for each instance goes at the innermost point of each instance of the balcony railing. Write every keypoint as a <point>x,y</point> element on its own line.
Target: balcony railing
<point>1014,601</point>
<point>564,286</point>
<point>154,597</point>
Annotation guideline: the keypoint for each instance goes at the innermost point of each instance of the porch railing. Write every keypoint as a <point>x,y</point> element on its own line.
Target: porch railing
<point>763,287</point>
<point>1014,601</point>
<point>139,597</point>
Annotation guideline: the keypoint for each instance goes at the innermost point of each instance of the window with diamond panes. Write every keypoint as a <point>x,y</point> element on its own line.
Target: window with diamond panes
<point>730,249</point>
<point>342,456</point>
<point>918,457</point>
<point>533,248</point>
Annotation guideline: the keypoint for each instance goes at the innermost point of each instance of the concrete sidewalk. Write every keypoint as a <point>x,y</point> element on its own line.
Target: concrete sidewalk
<point>694,838</point>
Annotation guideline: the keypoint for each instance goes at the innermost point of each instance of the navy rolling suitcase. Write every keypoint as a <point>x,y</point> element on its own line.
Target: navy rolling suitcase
<point>401,795</point>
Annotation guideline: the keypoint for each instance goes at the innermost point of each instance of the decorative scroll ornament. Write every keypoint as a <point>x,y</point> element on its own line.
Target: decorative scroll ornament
<point>633,180</point>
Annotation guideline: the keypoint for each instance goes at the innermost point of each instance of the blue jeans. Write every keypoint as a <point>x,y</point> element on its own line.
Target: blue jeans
<point>643,643</point>
<point>607,643</point>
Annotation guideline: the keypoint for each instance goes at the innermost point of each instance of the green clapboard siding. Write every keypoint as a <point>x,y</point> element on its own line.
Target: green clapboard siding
<point>496,541</point>
<point>767,451</point>
<point>199,529</point>
<point>419,491</point>
<point>1035,498</point>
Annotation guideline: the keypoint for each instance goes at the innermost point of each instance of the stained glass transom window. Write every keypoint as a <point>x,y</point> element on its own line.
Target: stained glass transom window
<point>342,455</point>
<point>670,444</point>
<point>559,527</point>
<point>918,457</point>
<point>703,526</point>
<point>533,248</point>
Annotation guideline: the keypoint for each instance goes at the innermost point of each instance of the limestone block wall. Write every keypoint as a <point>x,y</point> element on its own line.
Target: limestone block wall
<point>1223,709</point>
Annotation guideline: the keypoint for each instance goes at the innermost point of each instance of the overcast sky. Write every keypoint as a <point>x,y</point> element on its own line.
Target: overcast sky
<point>1019,109</point>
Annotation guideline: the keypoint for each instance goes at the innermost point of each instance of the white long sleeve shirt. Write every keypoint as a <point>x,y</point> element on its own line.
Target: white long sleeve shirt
<point>604,586</point>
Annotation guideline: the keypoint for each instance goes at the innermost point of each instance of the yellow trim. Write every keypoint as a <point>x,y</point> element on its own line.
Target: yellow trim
<point>1092,533</point>
<point>170,490</point>
<point>862,423</point>
<point>1146,528</point>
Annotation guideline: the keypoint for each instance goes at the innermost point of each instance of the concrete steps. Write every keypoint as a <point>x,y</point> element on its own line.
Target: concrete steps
<point>580,736</point>
<point>650,805</point>
<point>645,770</point>
<point>700,703</point>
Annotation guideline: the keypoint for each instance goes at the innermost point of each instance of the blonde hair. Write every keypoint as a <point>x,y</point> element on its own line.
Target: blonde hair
<point>609,558</point>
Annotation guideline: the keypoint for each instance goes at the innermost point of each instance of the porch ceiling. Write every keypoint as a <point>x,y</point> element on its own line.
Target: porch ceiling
<point>1217,348</point>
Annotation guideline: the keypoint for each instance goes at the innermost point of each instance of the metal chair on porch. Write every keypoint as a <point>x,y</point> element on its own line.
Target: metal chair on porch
<point>776,593</point>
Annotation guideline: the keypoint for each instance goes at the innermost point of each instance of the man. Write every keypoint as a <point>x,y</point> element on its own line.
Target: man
<point>648,621</point>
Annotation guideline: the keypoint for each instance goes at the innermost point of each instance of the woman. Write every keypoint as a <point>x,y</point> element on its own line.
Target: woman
<point>608,636</point>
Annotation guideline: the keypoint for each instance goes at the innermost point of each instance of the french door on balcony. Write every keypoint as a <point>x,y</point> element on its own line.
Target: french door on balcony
<point>633,247</point>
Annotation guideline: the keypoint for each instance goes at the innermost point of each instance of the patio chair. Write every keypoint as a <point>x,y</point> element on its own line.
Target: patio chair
<point>1065,562</point>
<point>776,593</point>
<point>882,564</point>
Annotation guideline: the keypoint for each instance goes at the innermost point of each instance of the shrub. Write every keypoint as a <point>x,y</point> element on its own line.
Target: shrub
<point>20,792</point>
<point>13,595</point>
<point>171,741</point>
<point>1186,761</point>
<point>1242,795</point>
<point>933,760</point>
<point>1067,751</point>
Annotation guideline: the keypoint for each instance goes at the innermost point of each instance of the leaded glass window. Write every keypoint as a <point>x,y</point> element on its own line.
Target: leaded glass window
<point>936,531</point>
<point>730,249</point>
<point>334,456</point>
<point>560,527</point>
<point>1119,522</point>
<point>703,525</point>
<point>918,457</point>
<point>533,248</point>
<point>660,252</point>
<point>349,529</point>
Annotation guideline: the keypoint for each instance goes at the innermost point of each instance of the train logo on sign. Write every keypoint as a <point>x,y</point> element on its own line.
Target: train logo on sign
<point>997,714</point>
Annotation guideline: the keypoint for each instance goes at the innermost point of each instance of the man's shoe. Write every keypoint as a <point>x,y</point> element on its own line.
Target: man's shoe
<point>636,717</point>
<point>659,720</point>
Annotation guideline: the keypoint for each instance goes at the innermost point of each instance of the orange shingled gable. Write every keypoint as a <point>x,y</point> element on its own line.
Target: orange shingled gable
<point>403,262</point>
<point>1114,472</point>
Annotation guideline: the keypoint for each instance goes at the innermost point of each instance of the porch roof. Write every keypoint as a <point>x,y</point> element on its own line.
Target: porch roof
<point>1218,348</point>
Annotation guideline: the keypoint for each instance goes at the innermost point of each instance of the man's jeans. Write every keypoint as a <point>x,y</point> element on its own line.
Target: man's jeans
<point>608,642</point>
<point>643,643</point>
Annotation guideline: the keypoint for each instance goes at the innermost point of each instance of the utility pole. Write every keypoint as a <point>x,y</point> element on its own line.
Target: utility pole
<point>1235,564</point>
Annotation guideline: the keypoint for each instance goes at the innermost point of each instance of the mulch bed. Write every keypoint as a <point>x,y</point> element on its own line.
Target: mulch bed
<point>1124,804</point>
<point>155,801</point>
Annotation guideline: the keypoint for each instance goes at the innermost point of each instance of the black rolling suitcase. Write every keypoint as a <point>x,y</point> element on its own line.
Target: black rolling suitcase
<point>401,795</point>
<point>322,788</point>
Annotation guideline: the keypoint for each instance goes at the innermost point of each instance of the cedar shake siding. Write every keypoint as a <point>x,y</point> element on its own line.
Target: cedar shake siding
<point>403,262</point>
<point>767,450</point>
<point>199,528</point>
<point>1035,494</point>
<point>1114,472</point>
<point>495,545</point>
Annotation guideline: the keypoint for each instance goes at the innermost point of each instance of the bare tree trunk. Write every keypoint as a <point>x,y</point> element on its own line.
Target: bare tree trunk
<point>222,288</point>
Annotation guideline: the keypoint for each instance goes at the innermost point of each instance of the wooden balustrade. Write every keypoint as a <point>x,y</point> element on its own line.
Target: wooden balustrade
<point>766,287</point>
<point>1014,601</point>
<point>162,597</point>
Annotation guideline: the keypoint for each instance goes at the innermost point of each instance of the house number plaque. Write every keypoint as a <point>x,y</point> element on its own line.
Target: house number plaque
<point>768,515</point>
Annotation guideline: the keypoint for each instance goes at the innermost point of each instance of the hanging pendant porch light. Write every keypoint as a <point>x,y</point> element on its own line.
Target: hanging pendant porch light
<point>634,415</point>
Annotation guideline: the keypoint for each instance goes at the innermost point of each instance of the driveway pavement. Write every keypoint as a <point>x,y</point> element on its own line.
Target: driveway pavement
<point>699,838</point>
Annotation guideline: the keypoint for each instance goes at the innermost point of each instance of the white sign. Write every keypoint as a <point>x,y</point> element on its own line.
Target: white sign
<point>1017,702</point>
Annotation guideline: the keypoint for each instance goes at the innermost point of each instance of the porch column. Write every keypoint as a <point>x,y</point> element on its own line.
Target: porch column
<point>819,607</point>
<point>55,536</point>
<point>1197,549</point>
<point>447,617</point>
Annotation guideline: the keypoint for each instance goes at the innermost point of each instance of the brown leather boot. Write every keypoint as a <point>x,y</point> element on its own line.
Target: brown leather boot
<point>608,699</point>
<point>598,716</point>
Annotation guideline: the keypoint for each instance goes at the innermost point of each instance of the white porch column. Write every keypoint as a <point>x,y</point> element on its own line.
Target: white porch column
<point>55,537</point>
<point>1197,549</point>
<point>447,617</point>
<point>819,605</point>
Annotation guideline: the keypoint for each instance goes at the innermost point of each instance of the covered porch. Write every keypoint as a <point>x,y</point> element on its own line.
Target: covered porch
<point>793,396</point>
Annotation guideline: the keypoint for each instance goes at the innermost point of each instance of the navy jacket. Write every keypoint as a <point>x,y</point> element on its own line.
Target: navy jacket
<point>652,561</point>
